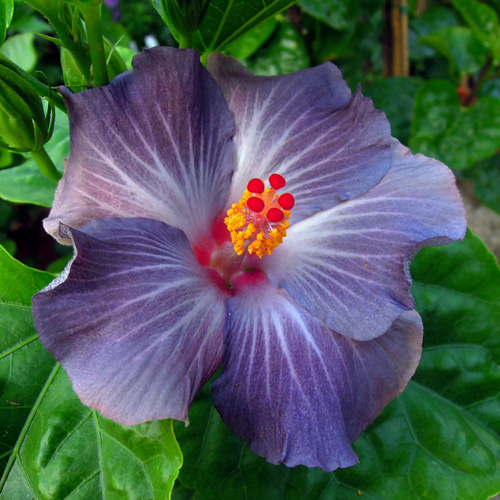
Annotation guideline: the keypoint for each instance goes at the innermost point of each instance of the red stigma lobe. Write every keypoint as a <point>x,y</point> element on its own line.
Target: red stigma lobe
<point>286,201</point>
<point>256,186</point>
<point>255,204</point>
<point>277,181</point>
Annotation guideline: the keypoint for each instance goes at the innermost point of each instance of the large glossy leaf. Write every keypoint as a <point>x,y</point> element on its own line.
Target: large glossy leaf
<point>285,52</point>
<point>52,446</point>
<point>484,22</point>
<point>432,19</point>
<point>335,13</point>
<point>486,177</point>
<point>21,50</point>
<point>395,97</point>
<point>460,45</point>
<point>243,47</point>
<point>455,135</point>
<point>6,12</point>
<point>226,20</point>
<point>438,440</point>
<point>21,376</point>
<point>25,183</point>
<point>457,290</point>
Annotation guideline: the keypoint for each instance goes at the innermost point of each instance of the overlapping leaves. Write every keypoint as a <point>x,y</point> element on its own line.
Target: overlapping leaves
<point>224,21</point>
<point>456,135</point>
<point>486,177</point>
<point>6,12</point>
<point>483,21</point>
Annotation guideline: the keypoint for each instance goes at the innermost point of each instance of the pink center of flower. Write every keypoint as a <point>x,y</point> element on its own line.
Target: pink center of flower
<point>253,227</point>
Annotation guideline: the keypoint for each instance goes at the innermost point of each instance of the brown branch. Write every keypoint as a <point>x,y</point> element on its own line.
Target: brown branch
<point>395,42</point>
<point>421,6</point>
<point>399,19</point>
<point>479,81</point>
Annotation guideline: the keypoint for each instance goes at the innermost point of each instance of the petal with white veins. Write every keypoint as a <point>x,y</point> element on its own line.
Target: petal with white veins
<point>135,320</point>
<point>330,146</point>
<point>349,266</point>
<point>156,142</point>
<point>300,393</point>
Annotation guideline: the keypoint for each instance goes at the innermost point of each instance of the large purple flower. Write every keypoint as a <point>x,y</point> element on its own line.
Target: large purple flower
<point>316,334</point>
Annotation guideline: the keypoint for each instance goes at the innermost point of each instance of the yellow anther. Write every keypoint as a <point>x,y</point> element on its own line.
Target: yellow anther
<point>236,219</point>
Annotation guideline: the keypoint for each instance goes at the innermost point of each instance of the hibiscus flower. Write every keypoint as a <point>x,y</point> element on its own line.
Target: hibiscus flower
<point>264,224</point>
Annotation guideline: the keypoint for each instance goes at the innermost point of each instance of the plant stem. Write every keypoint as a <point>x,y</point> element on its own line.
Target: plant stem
<point>45,164</point>
<point>77,50</point>
<point>92,16</point>
<point>185,41</point>
<point>479,81</point>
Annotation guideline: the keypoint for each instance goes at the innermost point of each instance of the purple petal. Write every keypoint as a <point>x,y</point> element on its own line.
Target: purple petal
<point>328,145</point>
<point>349,265</point>
<point>300,393</point>
<point>156,142</point>
<point>136,323</point>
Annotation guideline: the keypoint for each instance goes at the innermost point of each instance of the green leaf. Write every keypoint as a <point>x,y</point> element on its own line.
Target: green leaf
<point>457,291</point>
<point>484,22</point>
<point>438,440</point>
<point>180,492</point>
<point>494,4</point>
<point>226,20</point>
<point>24,363</point>
<point>6,13</point>
<point>69,450</point>
<point>73,77</point>
<point>250,42</point>
<point>28,21</point>
<point>20,49</point>
<point>432,19</point>
<point>126,54</point>
<point>25,183</point>
<point>57,266</point>
<point>457,136</point>
<point>338,14</point>
<point>6,158</point>
<point>395,97</point>
<point>53,447</point>
<point>328,44</point>
<point>486,177</point>
<point>285,52</point>
<point>357,42</point>
<point>437,105</point>
<point>460,45</point>
<point>490,87</point>
<point>7,215</point>
<point>10,246</point>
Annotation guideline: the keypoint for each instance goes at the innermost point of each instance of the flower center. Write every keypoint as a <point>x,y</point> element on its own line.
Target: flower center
<point>258,222</point>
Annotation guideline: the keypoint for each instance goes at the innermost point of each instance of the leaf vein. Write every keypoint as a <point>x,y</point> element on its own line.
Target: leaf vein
<point>27,425</point>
